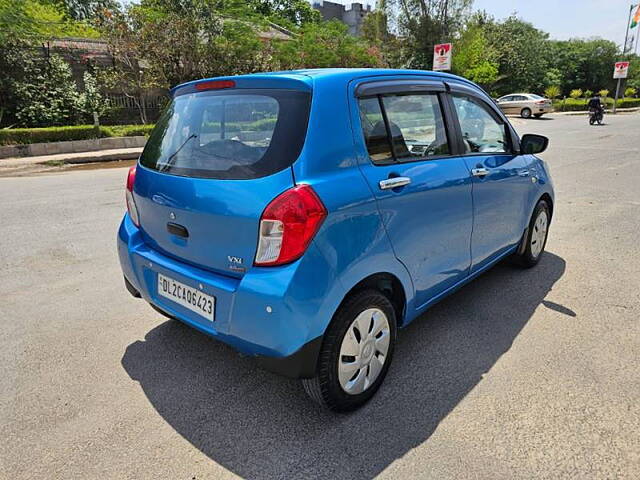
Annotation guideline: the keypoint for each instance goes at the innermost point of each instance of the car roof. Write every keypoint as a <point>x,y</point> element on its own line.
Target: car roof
<point>322,75</point>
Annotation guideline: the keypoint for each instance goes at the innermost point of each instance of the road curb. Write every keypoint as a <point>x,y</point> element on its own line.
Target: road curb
<point>74,158</point>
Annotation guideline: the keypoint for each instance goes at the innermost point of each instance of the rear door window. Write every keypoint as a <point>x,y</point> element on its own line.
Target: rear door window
<point>229,135</point>
<point>404,127</point>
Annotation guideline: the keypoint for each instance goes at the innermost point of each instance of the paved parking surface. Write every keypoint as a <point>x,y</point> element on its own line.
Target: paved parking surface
<point>521,374</point>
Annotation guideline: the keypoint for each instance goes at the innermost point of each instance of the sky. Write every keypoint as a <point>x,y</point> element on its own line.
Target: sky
<point>561,19</point>
<point>564,19</point>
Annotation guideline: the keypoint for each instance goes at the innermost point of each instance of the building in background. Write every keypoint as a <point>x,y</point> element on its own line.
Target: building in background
<point>352,15</point>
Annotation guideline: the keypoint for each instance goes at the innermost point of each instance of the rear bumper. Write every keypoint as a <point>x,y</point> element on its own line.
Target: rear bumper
<point>276,315</point>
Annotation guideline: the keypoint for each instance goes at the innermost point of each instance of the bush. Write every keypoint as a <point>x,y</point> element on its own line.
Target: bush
<point>552,91</point>
<point>576,105</point>
<point>47,95</point>
<point>129,130</point>
<point>628,102</point>
<point>58,134</point>
<point>577,93</point>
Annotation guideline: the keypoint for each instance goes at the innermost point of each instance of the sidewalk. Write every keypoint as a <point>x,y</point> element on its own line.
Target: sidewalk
<point>81,157</point>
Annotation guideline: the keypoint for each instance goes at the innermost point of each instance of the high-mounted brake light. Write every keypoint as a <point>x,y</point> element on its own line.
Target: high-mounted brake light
<point>288,225</point>
<point>131,204</point>
<point>215,85</point>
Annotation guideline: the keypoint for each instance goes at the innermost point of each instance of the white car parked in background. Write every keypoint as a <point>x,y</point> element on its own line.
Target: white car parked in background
<point>525,105</point>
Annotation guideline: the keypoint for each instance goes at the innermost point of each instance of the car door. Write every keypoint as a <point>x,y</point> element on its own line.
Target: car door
<point>520,102</point>
<point>506,104</point>
<point>422,189</point>
<point>501,177</point>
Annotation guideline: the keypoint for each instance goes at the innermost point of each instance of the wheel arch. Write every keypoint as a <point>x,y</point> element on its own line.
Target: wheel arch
<point>387,284</point>
<point>547,198</point>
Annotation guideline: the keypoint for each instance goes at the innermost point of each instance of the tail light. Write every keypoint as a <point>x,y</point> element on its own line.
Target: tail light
<point>131,204</point>
<point>288,225</point>
<point>541,102</point>
<point>215,85</point>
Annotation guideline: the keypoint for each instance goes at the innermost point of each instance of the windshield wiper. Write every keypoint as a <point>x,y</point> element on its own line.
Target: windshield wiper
<point>167,164</point>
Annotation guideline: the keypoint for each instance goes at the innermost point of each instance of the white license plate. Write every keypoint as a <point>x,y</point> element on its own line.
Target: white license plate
<point>187,296</point>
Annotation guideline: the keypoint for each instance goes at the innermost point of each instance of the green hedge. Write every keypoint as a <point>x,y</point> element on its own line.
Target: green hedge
<point>80,132</point>
<point>129,130</point>
<point>580,104</point>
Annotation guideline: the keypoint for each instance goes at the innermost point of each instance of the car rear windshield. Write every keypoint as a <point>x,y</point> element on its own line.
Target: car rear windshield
<point>231,134</point>
<point>535,97</point>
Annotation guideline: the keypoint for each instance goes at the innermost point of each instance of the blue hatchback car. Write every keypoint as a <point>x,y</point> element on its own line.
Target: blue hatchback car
<point>303,217</point>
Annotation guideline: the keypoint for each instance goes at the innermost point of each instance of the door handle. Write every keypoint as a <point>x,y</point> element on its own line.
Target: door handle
<point>479,172</point>
<point>394,182</point>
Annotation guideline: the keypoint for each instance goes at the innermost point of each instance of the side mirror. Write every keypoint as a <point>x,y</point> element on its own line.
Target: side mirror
<point>532,144</point>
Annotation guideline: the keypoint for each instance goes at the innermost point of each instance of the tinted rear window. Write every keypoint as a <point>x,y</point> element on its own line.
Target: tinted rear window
<point>230,134</point>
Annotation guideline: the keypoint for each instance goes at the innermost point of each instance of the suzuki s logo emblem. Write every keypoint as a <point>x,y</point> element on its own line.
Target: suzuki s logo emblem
<point>232,259</point>
<point>172,216</point>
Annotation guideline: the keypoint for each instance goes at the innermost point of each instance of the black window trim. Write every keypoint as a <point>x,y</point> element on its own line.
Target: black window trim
<point>390,91</point>
<point>493,111</point>
<point>408,86</point>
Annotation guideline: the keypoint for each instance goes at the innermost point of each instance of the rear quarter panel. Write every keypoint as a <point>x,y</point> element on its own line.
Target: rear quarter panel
<point>352,237</point>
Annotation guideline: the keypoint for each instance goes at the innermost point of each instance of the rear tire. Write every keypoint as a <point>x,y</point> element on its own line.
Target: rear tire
<point>536,236</point>
<point>525,113</point>
<point>356,352</point>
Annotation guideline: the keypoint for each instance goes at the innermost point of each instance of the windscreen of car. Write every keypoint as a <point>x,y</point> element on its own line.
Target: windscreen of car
<point>229,134</point>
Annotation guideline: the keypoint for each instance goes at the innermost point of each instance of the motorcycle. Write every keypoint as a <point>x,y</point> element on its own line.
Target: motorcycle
<point>596,116</point>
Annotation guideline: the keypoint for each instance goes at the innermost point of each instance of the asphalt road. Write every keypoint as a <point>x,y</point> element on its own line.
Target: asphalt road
<point>521,374</point>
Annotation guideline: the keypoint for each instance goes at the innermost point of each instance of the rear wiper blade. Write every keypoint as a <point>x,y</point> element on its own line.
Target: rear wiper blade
<point>167,164</point>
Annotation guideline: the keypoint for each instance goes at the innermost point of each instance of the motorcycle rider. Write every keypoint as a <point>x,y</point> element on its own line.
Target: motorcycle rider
<point>596,105</point>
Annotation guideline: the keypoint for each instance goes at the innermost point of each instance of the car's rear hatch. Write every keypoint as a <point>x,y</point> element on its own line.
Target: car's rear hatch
<point>218,155</point>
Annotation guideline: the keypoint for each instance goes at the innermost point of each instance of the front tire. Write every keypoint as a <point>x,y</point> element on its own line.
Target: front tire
<point>356,352</point>
<point>536,237</point>
<point>525,113</point>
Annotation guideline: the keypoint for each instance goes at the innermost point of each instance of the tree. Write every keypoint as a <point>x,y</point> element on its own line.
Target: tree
<point>604,93</point>
<point>83,9</point>
<point>630,92</point>
<point>521,55</point>
<point>585,64</point>
<point>474,58</point>
<point>290,12</point>
<point>553,77</point>
<point>32,20</point>
<point>326,44</point>
<point>202,42</point>
<point>91,100</point>
<point>423,24</point>
<point>375,31</point>
<point>47,95</point>
<point>552,91</point>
